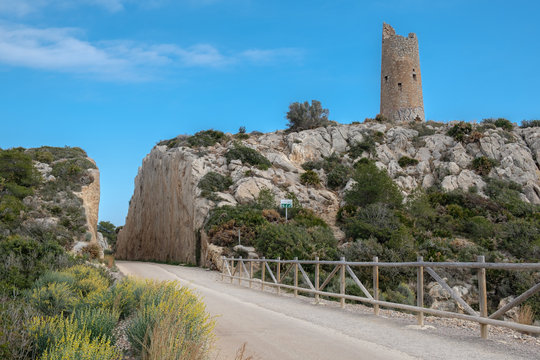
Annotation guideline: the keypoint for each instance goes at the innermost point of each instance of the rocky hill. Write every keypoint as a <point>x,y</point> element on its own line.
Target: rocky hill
<point>50,194</point>
<point>185,179</point>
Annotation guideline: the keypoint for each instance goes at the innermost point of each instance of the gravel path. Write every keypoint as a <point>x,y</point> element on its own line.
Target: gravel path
<point>283,327</point>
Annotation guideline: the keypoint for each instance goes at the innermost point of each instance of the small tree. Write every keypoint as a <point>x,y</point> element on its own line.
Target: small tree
<point>108,229</point>
<point>303,116</point>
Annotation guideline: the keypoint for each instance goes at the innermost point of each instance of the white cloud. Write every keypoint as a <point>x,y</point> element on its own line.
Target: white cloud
<point>63,50</point>
<point>24,7</point>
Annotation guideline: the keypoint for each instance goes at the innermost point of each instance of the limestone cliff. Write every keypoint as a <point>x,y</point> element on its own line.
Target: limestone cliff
<point>167,210</point>
<point>65,204</point>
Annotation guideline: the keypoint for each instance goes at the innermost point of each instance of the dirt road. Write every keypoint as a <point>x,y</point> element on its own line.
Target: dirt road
<point>281,327</point>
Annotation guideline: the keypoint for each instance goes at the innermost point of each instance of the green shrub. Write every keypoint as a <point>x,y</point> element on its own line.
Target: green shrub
<point>58,153</point>
<point>266,199</point>
<point>303,116</point>
<point>372,185</point>
<point>72,174</point>
<point>337,177</point>
<point>307,218</point>
<point>59,338</point>
<point>290,240</point>
<point>206,138</point>
<point>508,195</point>
<point>367,145</point>
<point>402,295</point>
<point>53,299</point>
<point>337,174</point>
<point>58,277</point>
<point>15,340</point>
<point>530,123</point>
<point>460,131</point>
<point>10,210</point>
<point>99,322</point>
<point>16,167</point>
<point>478,227</point>
<point>483,165</point>
<point>108,229</point>
<point>247,156</point>
<point>212,181</point>
<point>405,161</point>
<point>171,324</point>
<point>43,156</point>
<point>521,238</point>
<point>310,177</point>
<point>23,260</point>
<point>500,123</point>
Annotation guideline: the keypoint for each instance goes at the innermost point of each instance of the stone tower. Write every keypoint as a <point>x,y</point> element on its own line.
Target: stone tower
<point>401,82</point>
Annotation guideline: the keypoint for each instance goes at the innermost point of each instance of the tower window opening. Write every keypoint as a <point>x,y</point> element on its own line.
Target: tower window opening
<point>386,78</point>
<point>414,76</point>
<point>399,86</point>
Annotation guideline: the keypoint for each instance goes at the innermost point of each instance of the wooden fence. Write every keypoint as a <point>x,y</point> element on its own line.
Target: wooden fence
<point>278,269</point>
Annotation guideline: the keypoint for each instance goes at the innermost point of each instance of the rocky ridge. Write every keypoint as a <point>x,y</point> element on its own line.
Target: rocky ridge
<point>167,212</point>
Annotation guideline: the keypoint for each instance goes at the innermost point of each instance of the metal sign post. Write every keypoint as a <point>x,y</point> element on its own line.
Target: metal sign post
<point>286,204</point>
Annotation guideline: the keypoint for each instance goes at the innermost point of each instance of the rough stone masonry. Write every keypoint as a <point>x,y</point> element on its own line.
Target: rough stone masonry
<point>401,82</point>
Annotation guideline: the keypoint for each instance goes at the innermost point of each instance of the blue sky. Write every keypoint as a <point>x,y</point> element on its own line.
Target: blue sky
<point>116,76</point>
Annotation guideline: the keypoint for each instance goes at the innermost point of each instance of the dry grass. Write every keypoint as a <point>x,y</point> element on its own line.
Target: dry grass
<point>525,315</point>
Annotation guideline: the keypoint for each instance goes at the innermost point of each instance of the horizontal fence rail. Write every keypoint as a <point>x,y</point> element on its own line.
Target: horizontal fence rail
<point>273,272</point>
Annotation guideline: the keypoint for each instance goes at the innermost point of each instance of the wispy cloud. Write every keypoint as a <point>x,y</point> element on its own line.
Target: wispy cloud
<point>24,7</point>
<point>65,50</point>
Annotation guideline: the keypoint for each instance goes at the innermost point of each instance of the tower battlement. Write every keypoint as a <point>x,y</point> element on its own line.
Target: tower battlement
<point>401,81</point>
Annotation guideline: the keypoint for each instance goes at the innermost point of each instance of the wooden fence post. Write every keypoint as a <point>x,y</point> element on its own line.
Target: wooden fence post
<point>295,277</point>
<point>278,271</point>
<point>482,293</point>
<point>263,275</point>
<point>317,279</point>
<point>232,270</point>
<point>420,291</point>
<point>376,285</point>
<point>222,268</point>
<point>240,262</point>
<point>250,274</point>
<point>342,283</point>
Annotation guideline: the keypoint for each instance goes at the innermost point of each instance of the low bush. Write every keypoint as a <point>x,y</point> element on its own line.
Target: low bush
<point>98,322</point>
<point>23,260</point>
<point>206,138</point>
<point>402,295</point>
<point>53,299</point>
<point>460,131</point>
<point>530,123</point>
<point>372,185</point>
<point>310,177</point>
<point>60,338</point>
<point>58,277</point>
<point>15,339</point>
<point>212,181</point>
<point>171,324</point>
<point>291,240</point>
<point>405,161</point>
<point>92,251</point>
<point>483,165</point>
<point>500,123</point>
<point>365,146</point>
<point>248,156</point>
<point>57,153</point>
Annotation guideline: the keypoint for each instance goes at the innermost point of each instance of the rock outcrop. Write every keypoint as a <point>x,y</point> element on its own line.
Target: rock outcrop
<point>167,211</point>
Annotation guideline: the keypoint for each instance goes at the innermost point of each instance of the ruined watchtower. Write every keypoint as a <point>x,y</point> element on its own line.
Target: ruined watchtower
<point>401,82</point>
